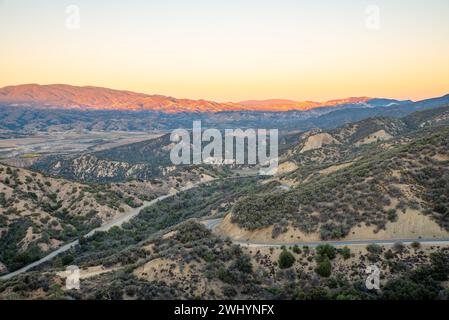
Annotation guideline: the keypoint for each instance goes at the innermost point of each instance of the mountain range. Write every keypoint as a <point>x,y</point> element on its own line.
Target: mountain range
<point>63,96</point>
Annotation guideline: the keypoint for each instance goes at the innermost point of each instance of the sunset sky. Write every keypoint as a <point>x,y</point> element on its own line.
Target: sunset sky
<point>231,50</point>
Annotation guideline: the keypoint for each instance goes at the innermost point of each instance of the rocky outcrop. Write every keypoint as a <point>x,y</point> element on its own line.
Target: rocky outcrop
<point>318,141</point>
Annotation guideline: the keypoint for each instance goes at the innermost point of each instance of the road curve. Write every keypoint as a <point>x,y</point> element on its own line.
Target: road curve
<point>117,222</point>
<point>211,225</point>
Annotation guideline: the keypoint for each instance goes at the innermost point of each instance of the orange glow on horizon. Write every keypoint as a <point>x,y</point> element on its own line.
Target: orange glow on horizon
<point>227,52</point>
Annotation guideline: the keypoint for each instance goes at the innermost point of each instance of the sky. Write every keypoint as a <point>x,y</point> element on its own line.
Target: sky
<point>231,50</point>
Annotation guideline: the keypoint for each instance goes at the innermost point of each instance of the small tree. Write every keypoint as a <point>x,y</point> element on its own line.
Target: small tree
<point>324,267</point>
<point>286,259</point>
<point>243,264</point>
<point>374,248</point>
<point>326,250</point>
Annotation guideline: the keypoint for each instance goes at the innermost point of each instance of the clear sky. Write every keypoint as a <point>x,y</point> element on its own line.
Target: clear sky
<point>231,50</point>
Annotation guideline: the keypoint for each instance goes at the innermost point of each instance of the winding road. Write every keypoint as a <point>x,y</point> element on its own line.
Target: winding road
<point>117,222</point>
<point>211,225</point>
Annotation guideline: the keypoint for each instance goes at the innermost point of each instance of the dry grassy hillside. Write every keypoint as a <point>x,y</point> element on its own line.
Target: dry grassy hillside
<point>375,190</point>
<point>39,213</point>
<point>190,262</point>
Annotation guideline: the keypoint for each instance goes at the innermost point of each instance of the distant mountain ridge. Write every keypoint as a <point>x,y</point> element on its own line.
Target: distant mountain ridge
<point>64,96</point>
<point>289,105</point>
<point>28,109</point>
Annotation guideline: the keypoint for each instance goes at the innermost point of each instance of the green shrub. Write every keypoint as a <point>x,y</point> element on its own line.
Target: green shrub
<point>326,250</point>
<point>286,259</point>
<point>392,215</point>
<point>324,267</point>
<point>296,249</point>
<point>440,266</point>
<point>389,255</point>
<point>374,248</point>
<point>243,264</point>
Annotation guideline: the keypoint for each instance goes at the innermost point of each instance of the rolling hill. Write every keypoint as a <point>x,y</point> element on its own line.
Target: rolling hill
<point>369,176</point>
<point>39,213</point>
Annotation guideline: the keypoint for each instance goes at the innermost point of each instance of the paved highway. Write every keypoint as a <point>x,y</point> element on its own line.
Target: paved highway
<point>113,223</point>
<point>344,243</point>
<point>213,223</point>
<point>117,222</point>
